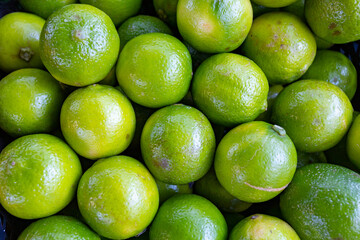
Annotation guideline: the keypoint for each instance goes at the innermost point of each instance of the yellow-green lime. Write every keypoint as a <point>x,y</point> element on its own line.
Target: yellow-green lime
<point>138,25</point>
<point>210,188</point>
<point>166,10</point>
<point>255,161</point>
<point>30,102</point>
<point>334,67</point>
<point>178,144</point>
<point>230,89</point>
<point>118,10</point>
<point>336,21</point>
<point>167,190</point>
<point>154,70</point>
<point>322,202</point>
<point>79,44</point>
<point>315,114</point>
<point>39,174</point>
<point>263,227</point>
<point>58,228</point>
<point>44,8</point>
<point>118,197</point>
<point>213,26</point>
<point>282,45</point>
<point>274,3</point>
<point>19,41</point>
<point>190,217</point>
<point>97,121</point>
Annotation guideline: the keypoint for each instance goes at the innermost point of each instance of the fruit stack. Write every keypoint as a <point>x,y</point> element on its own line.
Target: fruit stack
<point>179,119</point>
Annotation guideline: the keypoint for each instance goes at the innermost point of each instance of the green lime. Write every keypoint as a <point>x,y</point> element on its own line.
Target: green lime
<point>118,10</point>
<point>263,227</point>
<point>274,3</point>
<point>297,8</point>
<point>97,121</point>
<point>58,228</point>
<point>315,114</point>
<point>282,39</point>
<point>166,10</point>
<point>167,190</point>
<point>19,41</point>
<point>79,45</point>
<point>210,188</point>
<point>190,217</point>
<point>353,142</point>
<point>39,174</point>
<point>336,21</point>
<point>178,144</point>
<point>255,161</point>
<point>214,26</point>
<point>260,10</point>
<point>118,197</point>
<point>44,8</point>
<point>322,202</point>
<point>274,91</point>
<point>139,25</point>
<point>230,89</point>
<point>304,158</point>
<point>334,67</point>
<point>154,70</point>
<point>30,102</point>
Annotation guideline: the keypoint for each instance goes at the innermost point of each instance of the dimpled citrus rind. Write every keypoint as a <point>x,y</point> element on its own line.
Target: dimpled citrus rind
<point>282,39</point>
<point>154,70</point>
<point>188,216</point>
<point>178,144</point>
<point>30,102</point>
<point>214,26</point>
<point>124,191</point>
<point>39,174</point>
<point>79,45</point>
<point>255,161</point>
<point>230,89</point>
<point>97,121</point>
<point>315,114</point>
<point>336,21</point>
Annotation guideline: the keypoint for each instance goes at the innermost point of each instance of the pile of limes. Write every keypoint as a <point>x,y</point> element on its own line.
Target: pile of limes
<point>179,120</point>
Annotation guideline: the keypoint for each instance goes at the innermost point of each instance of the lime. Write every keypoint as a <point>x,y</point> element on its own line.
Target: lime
<point>118,197</point>
<point>255,161</point>
<point>274,3</point>
<point>334,67</point>
<point>282,39</point>
<point>39,174</point>
<point>178,144</point>
<point>58,228</point>
<point>19,41</point>
<point>336,21</point>
<point>44,8</point>
<point>322,202</point>
<point>118,10</point>
<point>230,89</point>
<point>138,25</point>
<point>166,10</point>
<point>30,102</point>
<point>79,45</point>
<point>154,70</point>
<point>210,188</point>
<point>315,114</point>
<point>262,227</point>
<point>97,121</point>
<point>353,142</point>
<point>272,95</point>
<point>188,216</point>
<point>304,158</point>
<point>167,190</point>
<point>214,26</point>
